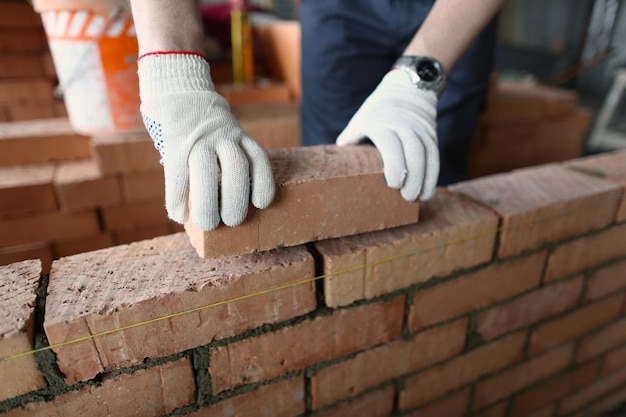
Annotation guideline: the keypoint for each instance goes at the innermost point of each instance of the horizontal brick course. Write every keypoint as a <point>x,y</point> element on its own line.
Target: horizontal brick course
<point>148,392</point>
<point>439,380</point>
<point>480,289</point>
<point>313,341</point>
<point>530,200</point>
<point>453,233</point>
<point>80,185</point>
<point>454,405</point>
<point>529,308</point>
<point>41,251</point>
<point>134,215</point>
<point>126,153</point>
<point>315,186</point>
<point>607,280</point>
<point>121,286</point>
<point>18,287</point>
<point>614,360</point>
<point>594,390</point>
<point>27,189</point>
<point>143,186</point>
<point>375,366</point>
<point>602,340</point>
<point>376,404</point>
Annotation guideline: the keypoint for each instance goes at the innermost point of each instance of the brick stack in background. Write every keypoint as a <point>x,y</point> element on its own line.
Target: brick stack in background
<point>506,299</point>
<point>527,124</point>
<point>27,74</point>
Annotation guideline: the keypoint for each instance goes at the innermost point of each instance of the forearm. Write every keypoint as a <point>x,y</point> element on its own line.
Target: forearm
<point>168,25</point>
<point>450,28</point>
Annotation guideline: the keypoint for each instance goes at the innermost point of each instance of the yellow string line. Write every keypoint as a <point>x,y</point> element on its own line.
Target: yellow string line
<point>500,229</point>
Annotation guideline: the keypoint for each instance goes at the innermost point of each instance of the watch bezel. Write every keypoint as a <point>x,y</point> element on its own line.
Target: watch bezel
<point>410,64</point>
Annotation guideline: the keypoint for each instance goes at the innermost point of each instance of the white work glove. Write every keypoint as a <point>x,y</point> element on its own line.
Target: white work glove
<point>201,144</point>
<point>401,121</point>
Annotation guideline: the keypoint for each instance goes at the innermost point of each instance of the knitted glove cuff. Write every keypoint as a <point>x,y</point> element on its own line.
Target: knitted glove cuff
<point>163,73</point>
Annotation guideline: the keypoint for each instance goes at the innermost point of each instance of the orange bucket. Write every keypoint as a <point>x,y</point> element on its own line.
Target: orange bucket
<point>94,51</point>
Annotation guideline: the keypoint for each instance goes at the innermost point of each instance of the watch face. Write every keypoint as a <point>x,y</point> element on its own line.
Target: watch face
<point>427,70</point>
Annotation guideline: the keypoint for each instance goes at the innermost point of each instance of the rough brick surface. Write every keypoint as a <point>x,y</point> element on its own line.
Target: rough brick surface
<point>606,281</point>
<point>281,399</point>
<point>80,185</point>
<point>18,287</point>
<point>544,204</point>
<point>317,340</point>
<point>611,166</point>
<point>453,233</point>
<point>545,393</point>
<point>134,215</point>
<point>376,404</point>
<point>375,366</point>
<point>454,405</point>
<point>126,153</point>
<point>580,254</point>
<point>602,340</point>
<point>437,381</point>
<point>122,286</point>
<point>523,375</point>
<point>529,308</point>
<point>591,392</point>
<point>575,324</point>
<point>27,188</point>
<point>151,392</point>
<point>37,141</point>
<point>27,229</point>
<point>480,289</point>
<point>318,190</point>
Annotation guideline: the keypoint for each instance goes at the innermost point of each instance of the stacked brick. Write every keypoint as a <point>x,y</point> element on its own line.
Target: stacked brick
<point>27,74</point>
<point>527,124</point>
<point>507,298</point>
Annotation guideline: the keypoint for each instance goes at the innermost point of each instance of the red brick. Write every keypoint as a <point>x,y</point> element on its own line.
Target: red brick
<point>23,91</point>
<point>544,412</point>
<point>375,404</point>
<point>22,40</point>
<point>41,251</point>
<point>313,341</point>
<point>614,360</point>
<point>314,186</point>
<point>602,340</point>
<point>21,66</point>
<point>281,399</point>
<point>180,300</point>
<point>141,233</point>
<point>40,141</point>
<point>18,288</point>
<point>498,410</point>
<point>607,280</point>
<point>587,252</point>
<point>575,324</point>
<point>86,244</point>
<point>610,165</point>
<point>439,380</point>
<point>453,233</point>
<point>375,366</point>
<point>541,205</point>
<point>143,186</point>
<point>454,405</point>
<point>134,215</point>
<point>273,126</point>
<point>15,14</point>
<point>237,95</point>
<point>26,188</point>
<point>523,375</point>
<point>594,390</point>
<point>548,392</point>
<point>47,227</point>
<point>606,404</point>
<point>529,308</point>
<point>479,289</point>
<point>148,392</point>
<point>133,152</point>
<point>31,111</point>
<point>80,185</point>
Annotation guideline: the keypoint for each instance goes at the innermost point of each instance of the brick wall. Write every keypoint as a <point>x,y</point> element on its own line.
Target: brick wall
<point>506,298</point>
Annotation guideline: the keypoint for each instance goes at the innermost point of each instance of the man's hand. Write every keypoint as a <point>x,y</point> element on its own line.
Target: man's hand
<point>209,160</point>
<point>401,121</point>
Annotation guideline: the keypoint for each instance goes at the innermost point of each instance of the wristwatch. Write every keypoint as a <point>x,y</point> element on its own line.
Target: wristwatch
<point>425,73</point>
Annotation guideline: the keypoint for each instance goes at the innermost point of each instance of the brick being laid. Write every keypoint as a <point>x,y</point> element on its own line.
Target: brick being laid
<point>322,192</point>
<point>545,204</point>
<point>18,288</point>
<point>167,299</point>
